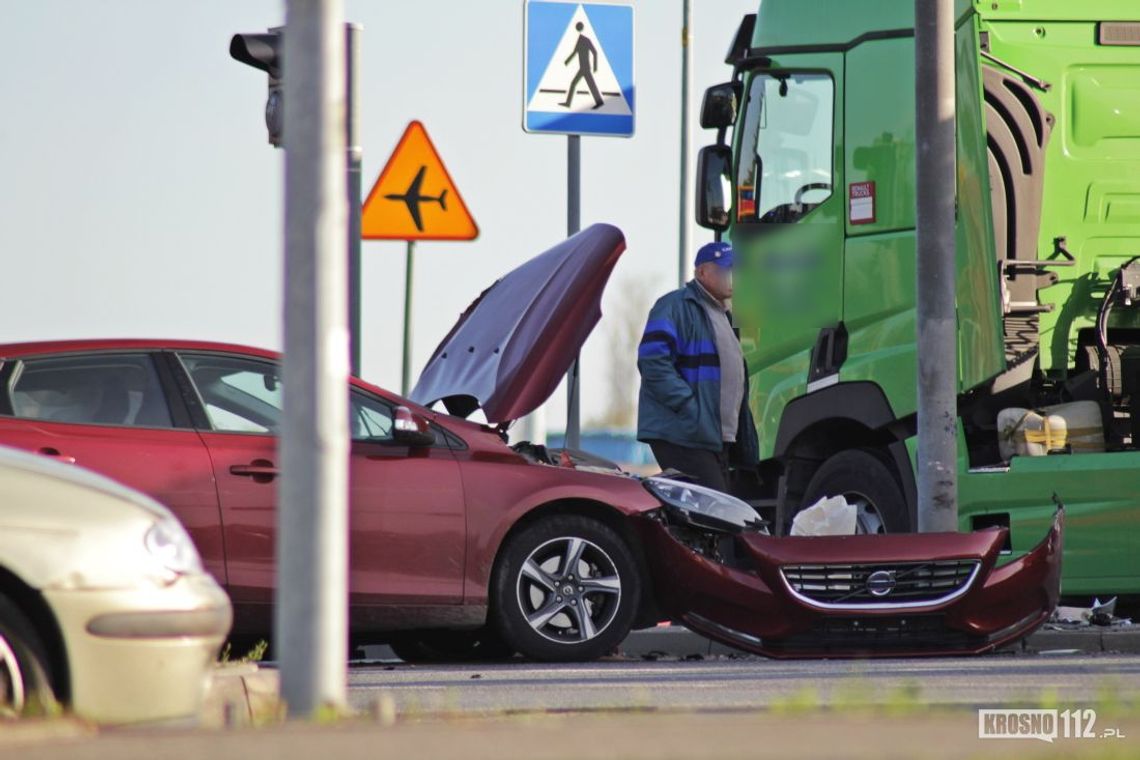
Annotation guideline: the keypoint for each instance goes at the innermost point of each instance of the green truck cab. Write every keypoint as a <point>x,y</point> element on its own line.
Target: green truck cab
<point>812,178</point>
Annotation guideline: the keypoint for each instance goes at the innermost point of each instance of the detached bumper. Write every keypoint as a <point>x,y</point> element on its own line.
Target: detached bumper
<point>811,597</point>
<point>142,655</point>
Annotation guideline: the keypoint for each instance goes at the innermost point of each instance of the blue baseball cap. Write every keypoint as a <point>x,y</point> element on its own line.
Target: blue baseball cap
<point>716,253</point>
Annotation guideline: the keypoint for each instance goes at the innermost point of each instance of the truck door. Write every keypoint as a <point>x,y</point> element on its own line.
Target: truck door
<point>787,226</point>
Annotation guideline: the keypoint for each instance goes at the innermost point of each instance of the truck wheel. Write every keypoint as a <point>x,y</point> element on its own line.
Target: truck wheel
<point>865,481</point>
<point>25,688</point>
<point>565,589</point>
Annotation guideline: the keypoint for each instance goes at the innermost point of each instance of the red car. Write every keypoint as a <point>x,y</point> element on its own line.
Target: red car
<point>461,544</point>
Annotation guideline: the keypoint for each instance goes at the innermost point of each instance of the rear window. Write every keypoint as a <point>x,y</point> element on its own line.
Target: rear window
<point>107,389</point>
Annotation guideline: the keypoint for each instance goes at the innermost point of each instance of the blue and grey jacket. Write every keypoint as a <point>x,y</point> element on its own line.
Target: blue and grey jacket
<point>680,380</point>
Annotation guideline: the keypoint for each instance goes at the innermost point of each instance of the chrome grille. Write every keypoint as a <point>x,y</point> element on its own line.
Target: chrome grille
<point>882,584</point>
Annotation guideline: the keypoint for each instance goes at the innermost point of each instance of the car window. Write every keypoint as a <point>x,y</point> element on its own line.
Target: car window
<point>244,396</point>
<point>785,167</point>
<point>103,389</point>
<point>240,395</point>
<point>369,419</point>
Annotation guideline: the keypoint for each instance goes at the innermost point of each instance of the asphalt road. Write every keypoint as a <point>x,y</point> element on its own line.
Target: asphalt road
<point>747,684</point>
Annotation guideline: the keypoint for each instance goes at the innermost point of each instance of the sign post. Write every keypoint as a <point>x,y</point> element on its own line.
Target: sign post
<point>577,80</point>
<point>415,199</point>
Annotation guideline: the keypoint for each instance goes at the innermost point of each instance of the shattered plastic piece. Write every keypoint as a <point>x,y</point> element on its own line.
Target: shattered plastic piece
<point>1067,618</point>
<point>830,516</point>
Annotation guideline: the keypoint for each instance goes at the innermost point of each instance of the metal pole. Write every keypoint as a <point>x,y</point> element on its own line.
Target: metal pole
<point>686,211</point>
<point>406,380</point>
<point>573,224</point>
<point>353,157</point>
<point>312,514</point>
<point>935,286</point>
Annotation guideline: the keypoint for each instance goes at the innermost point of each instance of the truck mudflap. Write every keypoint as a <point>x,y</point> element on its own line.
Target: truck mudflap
<point>853,596</point>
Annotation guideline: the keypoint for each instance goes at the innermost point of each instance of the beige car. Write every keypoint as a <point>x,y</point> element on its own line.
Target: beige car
<point>104,605</point>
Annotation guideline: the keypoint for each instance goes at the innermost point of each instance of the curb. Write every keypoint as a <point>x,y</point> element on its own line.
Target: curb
<point>240,694</point>
<point>676,641</point>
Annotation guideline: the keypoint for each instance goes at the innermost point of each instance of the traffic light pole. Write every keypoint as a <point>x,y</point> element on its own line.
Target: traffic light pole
<point>684,244</point>
<point>310,618</point>
<point>353,158</point>
<point>935,280</point>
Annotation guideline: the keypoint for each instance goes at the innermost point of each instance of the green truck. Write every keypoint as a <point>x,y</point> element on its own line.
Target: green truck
<point>812,178</point>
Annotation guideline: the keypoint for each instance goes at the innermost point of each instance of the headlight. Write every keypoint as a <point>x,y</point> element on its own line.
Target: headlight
<point>704,507</point>
<point>169,544</point>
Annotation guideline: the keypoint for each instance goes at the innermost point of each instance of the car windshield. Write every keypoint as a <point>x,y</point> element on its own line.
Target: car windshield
<point>785,166</point>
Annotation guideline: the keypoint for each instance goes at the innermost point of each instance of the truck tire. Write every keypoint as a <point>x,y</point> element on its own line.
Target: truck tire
<point>566,589</point>
<point>866,481</point>
<point>25,687</point>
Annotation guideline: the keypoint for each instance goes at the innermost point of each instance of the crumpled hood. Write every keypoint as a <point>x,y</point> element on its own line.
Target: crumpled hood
<point>513,345</point>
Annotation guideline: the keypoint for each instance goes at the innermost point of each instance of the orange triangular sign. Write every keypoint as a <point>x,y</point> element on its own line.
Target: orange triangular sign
<point>415,198</point>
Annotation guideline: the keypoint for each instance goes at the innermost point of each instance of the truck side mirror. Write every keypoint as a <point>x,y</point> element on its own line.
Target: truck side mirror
<point>714,165</point>
<point>718,109</point>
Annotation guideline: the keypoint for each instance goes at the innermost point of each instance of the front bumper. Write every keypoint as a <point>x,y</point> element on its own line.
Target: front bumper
<point>142,655</point>
<point>746,601</point>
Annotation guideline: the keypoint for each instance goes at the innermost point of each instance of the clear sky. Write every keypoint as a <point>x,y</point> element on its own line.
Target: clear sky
<point>140,199</point>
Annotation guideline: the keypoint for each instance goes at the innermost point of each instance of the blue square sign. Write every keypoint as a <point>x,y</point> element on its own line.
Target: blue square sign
<point>578,69</point>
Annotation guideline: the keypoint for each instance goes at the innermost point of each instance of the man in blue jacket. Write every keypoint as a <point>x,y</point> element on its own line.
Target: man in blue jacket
<point>693,406</point>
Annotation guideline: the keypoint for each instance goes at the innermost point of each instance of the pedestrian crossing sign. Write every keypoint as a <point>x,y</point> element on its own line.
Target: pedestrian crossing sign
<point>578,68</point>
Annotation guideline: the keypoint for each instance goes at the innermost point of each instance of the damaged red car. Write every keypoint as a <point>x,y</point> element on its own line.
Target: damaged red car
<point>464,546</point>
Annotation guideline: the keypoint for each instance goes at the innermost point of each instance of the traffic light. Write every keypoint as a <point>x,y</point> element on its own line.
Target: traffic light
<point>263,51</point>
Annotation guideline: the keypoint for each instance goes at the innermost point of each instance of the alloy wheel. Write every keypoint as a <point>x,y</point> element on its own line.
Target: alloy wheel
<point>569,590</point>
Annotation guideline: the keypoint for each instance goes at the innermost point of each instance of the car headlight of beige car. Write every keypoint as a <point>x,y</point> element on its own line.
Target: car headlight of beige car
<point>104,605</point>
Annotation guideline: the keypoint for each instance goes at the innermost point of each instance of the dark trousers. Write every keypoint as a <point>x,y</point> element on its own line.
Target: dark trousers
<point>706,468</point>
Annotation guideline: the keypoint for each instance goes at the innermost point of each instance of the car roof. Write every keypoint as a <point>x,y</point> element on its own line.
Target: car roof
<point>40,348</point>
<point>12,350</point>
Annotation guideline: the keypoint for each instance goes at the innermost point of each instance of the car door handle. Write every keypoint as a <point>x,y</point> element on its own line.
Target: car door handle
<point>260,470</point>
<point>48,451</point>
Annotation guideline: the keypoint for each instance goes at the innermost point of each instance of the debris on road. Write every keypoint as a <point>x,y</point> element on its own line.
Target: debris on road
<point>1099,614</point>
<point>830,516</point>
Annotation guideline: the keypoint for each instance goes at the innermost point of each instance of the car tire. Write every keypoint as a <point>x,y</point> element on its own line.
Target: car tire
<point>25,686</point>
<point>483,645</point>
<point>864,479</point>
<point>552,610</point>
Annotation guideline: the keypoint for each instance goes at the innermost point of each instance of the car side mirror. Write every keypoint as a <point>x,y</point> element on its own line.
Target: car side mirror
<point>718,109</point>
<point>410,429</point>
<point>714,165</point>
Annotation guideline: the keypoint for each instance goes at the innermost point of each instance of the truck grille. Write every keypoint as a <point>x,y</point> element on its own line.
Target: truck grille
<point>883,585</point>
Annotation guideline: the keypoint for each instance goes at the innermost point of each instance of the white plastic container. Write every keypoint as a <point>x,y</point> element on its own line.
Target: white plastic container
<point>1076,426</point>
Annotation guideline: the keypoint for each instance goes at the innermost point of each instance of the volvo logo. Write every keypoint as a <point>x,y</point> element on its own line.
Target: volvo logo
<point>881,582</point>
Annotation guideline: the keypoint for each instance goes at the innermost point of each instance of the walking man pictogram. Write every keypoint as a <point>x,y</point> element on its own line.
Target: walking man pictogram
<point>583,49</point>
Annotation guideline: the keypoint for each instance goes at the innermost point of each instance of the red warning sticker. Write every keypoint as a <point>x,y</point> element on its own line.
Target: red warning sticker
<point>861,202</point>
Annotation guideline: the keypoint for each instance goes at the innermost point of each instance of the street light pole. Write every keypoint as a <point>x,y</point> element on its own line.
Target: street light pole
<point>310,624</point>
<point>935,281</point>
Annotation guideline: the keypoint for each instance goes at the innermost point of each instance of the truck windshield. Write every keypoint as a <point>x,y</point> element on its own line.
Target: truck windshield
<point>785,166</point>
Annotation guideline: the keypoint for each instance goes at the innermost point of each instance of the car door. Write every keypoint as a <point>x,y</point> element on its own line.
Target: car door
<point>117,413</point>
<point>406,517</point>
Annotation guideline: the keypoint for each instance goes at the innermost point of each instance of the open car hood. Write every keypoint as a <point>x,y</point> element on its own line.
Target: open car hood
<point>513,345</point>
